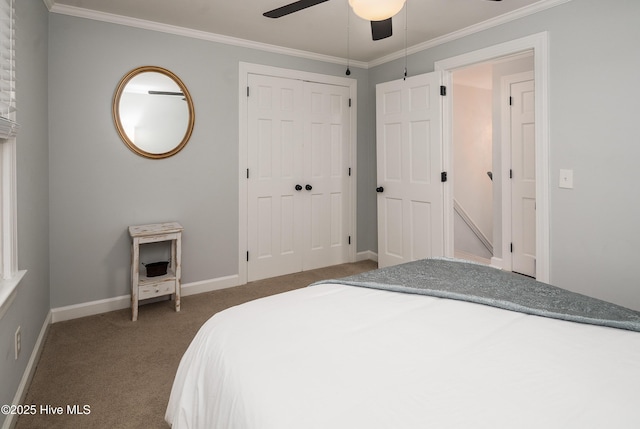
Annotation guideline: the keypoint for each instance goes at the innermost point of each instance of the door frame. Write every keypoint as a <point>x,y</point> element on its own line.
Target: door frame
<point>245,69</point>
<point>539,44</point>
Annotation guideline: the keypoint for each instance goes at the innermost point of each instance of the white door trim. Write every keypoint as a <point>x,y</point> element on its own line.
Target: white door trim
<point>539,44</point>
<point>244,70</point>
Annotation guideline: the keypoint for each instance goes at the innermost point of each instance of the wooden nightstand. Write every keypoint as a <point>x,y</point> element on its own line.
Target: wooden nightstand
<point>143,287</point>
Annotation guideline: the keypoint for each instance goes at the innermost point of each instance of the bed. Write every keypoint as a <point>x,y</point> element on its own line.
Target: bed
<point>429,344</point>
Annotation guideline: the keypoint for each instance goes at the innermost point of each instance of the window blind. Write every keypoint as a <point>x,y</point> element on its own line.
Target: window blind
<point>8,127</point>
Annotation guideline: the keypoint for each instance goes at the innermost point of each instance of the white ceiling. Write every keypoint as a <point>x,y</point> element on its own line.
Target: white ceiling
<point>320,30</point>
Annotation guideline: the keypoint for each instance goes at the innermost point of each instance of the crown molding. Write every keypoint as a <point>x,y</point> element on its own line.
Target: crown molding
<point>196,34</point>
<point>481,26</point>
<point>213,37</point>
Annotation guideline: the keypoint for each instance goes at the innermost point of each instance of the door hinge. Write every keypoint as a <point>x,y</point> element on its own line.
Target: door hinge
<point>510,101</point>
<point>247,173</point>
<point>349,171</point>
<point>511,247</point>
<point>349,102</point>
<point>247,91</point>
<point>443,176</point>
<point>349,239</point>
<point>510,174</point>
<point>247,256</point>
<point>443,90</point>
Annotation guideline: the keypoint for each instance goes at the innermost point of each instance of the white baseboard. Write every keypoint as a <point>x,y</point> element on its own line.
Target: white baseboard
<point>195,288</point>
<point>91,308</point>
<point>496,262</point>
<point>367,254</point>
<point>76,311</point>
<point>21,392</point>
<point>461,254</point>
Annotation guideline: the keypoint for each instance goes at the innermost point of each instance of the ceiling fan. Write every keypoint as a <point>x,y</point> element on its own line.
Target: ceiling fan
<point>379,29</point>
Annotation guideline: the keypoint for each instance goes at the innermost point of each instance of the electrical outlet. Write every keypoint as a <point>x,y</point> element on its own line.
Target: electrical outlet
<point>18,342</point>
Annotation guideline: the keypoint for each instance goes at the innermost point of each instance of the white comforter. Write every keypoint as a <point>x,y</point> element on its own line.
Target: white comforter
<point>332,356</point>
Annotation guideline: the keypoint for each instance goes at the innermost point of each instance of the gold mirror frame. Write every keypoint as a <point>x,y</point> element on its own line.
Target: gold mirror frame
<point>118,123</point>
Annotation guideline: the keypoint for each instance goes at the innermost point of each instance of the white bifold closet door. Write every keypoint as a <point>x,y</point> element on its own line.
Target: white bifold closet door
<point>298,173</point>
<point>409,165</point>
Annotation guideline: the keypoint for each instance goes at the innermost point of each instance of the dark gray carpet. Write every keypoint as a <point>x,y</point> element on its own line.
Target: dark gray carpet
<point>123,370</point>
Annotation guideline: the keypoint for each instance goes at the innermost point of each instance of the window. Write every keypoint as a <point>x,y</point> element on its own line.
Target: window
<point>9,275</point>
<point>7,69</point>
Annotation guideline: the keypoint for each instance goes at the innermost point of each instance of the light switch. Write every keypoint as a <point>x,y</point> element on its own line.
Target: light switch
<point>566,179</point>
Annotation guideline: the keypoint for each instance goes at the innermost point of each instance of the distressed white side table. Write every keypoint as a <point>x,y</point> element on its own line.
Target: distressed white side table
<point>143,287</point>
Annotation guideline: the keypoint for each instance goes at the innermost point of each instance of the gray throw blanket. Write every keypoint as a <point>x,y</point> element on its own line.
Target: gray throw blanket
<point>467,281</point>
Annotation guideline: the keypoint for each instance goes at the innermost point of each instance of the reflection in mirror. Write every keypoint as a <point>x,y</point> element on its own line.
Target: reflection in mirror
<point>153,112</point>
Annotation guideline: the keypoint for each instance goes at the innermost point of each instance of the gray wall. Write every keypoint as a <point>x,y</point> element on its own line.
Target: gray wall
<point>79,187</point>
<point>594,88</point>
<point>31,305</point>
<point>99,187</point>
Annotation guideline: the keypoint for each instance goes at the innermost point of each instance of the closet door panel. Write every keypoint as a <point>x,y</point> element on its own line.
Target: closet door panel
<point>274,167</point>
<point>298,134</point>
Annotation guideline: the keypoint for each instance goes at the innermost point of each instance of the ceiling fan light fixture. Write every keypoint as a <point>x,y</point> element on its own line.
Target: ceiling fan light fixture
<point>376,10</point>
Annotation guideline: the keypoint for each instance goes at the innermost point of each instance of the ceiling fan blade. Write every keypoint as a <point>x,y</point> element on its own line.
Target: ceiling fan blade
<point>381,29</point>
<point>291,8</point>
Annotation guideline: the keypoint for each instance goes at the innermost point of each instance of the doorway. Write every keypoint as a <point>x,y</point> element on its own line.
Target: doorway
<point>494,163</point>
<point>306,162</point>
<point>297,176</point>
<point>473,171</point>
<point>537,45</point>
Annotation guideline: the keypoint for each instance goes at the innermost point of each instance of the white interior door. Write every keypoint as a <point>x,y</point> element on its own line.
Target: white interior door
<point>275,167</point>
<point>409,166</point>
<point>326,173</point>
<point>523,183</point>
<point>297,179</point>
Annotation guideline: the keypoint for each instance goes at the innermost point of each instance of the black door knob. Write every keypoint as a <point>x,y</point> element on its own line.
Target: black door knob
<point>298,188</point>
<point>308,187</point>
<point>379,189</point>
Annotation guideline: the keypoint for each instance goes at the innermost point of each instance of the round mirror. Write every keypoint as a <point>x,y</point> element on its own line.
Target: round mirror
<point>153,112</point>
